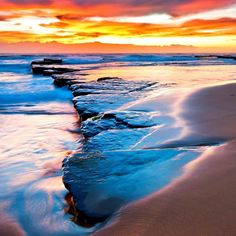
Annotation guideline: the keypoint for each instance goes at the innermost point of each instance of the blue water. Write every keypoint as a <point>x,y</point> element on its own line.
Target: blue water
<point>38,125</point>
<point>38,130</point>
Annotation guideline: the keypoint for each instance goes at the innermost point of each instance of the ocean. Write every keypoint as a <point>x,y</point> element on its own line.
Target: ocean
<point>40,127</point>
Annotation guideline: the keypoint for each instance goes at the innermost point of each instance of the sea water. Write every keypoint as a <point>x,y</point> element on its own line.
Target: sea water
<point>39,128</point>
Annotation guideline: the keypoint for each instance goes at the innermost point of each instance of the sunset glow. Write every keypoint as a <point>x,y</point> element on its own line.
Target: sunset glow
<point>202,24</point>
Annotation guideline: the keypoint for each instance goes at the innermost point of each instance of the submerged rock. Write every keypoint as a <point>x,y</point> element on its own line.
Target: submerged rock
<point>108,172</point>
<point>108,78</point>
<point>216,57</point>
<point>103,182</point>
<point>65,80</point>
<point>47,61</point>
<point>39,69</point>
<point>82,92</point>
<point>50,66</point>
<point>120,85</point>
<point>51,72</point>
<point>52,60</point>
<point>116,139</point>
<point>95,104</point>
<point>94,98</point>
<point>118,120</point>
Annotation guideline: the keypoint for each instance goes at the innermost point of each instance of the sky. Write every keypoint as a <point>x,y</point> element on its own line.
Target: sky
<point>118,26</point>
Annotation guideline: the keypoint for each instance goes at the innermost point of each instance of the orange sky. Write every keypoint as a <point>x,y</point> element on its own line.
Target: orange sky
<point>139,25</point>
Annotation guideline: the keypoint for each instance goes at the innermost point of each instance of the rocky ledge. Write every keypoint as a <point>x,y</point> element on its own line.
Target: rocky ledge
<point>216,57</point>
<point>109,171</point>
<point>49,66</point>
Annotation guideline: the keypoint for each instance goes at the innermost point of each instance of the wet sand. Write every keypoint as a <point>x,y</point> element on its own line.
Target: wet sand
<point>202,200</point>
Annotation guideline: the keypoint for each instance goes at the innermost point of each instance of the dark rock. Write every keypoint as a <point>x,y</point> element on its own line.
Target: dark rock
<point>39,69</point>
<point>96,125</point>
<point>64,80</point>
<point>109,172</point>
<point>108,78</point>
<point>118,120</point>
<point>50,72</point>
<point>82,92</point>
<point>103,182</point>
<point>52,60</point>
<point>95,104</point>
<point>216,56</point>
<point>116,139</point>
<point>95,101</point>
<point>110,87</point>
<point>47,61</point>
<point>227,57</point>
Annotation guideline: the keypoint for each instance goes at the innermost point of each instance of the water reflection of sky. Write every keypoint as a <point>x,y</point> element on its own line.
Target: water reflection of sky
<point>184,76</point>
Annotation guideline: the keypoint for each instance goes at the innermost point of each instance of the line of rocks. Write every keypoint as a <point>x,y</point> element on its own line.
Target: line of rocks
<point>108,172</point>
<point>216,57</point>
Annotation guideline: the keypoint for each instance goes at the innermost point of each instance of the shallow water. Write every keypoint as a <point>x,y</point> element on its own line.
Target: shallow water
<point>37,133</point>
<point>39,124</point>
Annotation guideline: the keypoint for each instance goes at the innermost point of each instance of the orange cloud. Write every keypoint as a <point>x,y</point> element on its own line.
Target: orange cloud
<point>120,22</point>
<point>119,7</point>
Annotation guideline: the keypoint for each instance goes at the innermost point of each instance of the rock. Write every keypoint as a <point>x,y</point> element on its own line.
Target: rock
<point>96,125</point>
<point>82,92</point>
<point>95,104</point>
<point>39,69</point>
<point>108,172</point>
<point>52,60</point>
<point>50,72</point>
<point>216,56</point>
<point>98,86</point>
<point>108,78</point>
<point>68,79</point>
<point>61,80</point>
<point>109,87</point>
<point>118,120</point>
<point>117,92</point>
<point>103,182</point>
<point>227,57</point>
<point>116,139</point>
<point>47,61</point>
<point>49,66</point>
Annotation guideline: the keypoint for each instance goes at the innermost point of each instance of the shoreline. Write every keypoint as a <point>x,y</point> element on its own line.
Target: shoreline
<point>130,144</point>
<point>201,201</point>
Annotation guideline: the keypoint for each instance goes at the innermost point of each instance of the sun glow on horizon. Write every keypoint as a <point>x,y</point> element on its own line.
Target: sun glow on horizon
<point>44,22</point>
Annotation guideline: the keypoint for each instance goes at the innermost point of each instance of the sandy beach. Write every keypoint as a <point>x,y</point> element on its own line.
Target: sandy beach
<point>202,200</point>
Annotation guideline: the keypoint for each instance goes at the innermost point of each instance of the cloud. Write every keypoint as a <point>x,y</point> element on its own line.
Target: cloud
<point>22,2</point>
<point>126,7</point>
<point>4,18</point>
<point>154,22</point>
<point>141,7</point>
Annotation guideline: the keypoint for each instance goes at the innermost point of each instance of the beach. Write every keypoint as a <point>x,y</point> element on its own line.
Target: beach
<point>202,200</point>
<point>117,145</point>
<point>117,118</point>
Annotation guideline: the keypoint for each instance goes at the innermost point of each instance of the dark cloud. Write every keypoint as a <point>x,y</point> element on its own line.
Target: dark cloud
<point>69,17</point>
<point>7,17</point>
<point>3,18</point>
<point>174,7</point>
<point>130,7</point>
<point>22,2</point>
<point>56,25</point>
